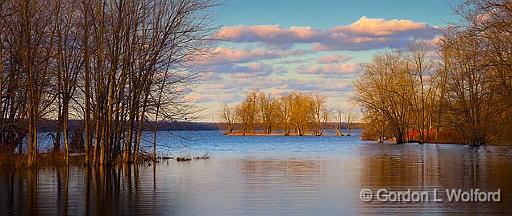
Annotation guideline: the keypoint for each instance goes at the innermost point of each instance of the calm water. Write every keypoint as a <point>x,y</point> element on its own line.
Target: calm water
<point>265,176</point>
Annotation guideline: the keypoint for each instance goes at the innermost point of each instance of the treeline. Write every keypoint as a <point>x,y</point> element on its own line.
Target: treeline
<point>53,126</point>
<point>458,92</point>
<point>293,113</point>
<point>113,64</point>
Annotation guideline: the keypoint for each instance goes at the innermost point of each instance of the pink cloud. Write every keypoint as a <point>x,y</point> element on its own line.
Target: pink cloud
<point>364,34</point>
<point>381,27</point>
<point>303,32</point>
<point>224,55</point>
<point>332,59</point>
<point>329,69</point>
<point>316,85</point>
<point>234,88</point>
<point>270,33</point>
<point>193,97</point>
<point>243,71</point>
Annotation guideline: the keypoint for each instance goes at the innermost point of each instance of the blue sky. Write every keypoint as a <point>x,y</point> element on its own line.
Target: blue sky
<point>328,13</point>
<point>312,46</point>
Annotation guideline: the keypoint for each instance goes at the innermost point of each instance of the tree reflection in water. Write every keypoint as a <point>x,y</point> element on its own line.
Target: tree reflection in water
<point>432,167</point>
<point>328,185</point>
<point>65,190</point>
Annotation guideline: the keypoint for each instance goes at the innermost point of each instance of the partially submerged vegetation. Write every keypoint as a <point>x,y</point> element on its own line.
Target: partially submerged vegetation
<point>113,64</point>
<point>56,159</point>
<point>296,113</point>
<point>457,92</point>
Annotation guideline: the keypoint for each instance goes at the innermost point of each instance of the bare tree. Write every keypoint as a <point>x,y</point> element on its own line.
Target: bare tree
<point>422,72</point>
<point>34,31</point>
<point>116,64</point>
<point>68,63</point>
<point>467,92</point>
<point>302,112</point>
<point>228,115</point>
<point>247,113</point>
<point>350,117</point>
<point>85,30</point>
<point>338,121</point>
<point>267,108</point>
<point>476,62</point>
<point>320,114</point>
<point>385,88</point>
<point>284,104</point>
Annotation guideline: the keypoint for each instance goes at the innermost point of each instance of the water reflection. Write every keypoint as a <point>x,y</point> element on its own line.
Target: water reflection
<point>436,167</point>
<point>66,190</point>
<point>327,185</point>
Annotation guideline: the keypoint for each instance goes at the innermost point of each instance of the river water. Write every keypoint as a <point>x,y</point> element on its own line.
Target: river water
<point>267,176</point>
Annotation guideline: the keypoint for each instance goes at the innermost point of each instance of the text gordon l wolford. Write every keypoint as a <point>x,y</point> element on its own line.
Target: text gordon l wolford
<point>435,195</point>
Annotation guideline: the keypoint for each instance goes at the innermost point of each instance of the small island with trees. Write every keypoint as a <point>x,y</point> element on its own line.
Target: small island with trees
<point>292,114</point>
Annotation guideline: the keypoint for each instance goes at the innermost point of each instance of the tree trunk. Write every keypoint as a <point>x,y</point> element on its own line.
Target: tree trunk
<point>32,141</point>
<point>97,138</point>
<point>138,137</point>
<point>56,138</point>
<point>1,78</point>
<point>65,128</point>
<point>129,136</point>
<point>104,137</point>
<point>87,95</point>
<point>154,145</point>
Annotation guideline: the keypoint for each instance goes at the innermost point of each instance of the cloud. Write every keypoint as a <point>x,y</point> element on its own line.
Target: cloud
<point>329,69</point>
<point>318,85</point>
<point>224,55</point>
<point>329,59</point>
<point>205,95</point>
<point>249,70</point>
<point>381,27</point>
<point>364,34</point>
<point>267,33</point>
<point>233,89</point>
<point>259,83</point>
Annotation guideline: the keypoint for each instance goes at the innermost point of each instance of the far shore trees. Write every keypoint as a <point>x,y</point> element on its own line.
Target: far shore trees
<point>301,112</point>
<point>350,117</point>
<point>246,113</point>
<point>294,113</point>
<point>320,114</point>
<point>338,121</point>
<point>284,107</point>
<point>267,112</point>
<point>229,118</point>
<point>344,118</point>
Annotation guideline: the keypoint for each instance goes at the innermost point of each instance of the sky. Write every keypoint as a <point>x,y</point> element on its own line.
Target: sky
<point>278,46</point>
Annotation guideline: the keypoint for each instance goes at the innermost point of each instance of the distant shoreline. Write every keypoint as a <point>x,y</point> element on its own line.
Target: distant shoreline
<point>49,125</point>
<point>275,134</point>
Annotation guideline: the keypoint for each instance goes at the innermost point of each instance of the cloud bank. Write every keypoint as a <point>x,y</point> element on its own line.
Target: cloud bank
<point>364,34</point>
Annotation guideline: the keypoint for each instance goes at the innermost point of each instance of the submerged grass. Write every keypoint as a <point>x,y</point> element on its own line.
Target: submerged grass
<point>57,159</point>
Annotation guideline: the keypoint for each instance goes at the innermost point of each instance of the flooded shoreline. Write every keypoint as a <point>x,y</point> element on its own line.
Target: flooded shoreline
<point>266,176</point>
